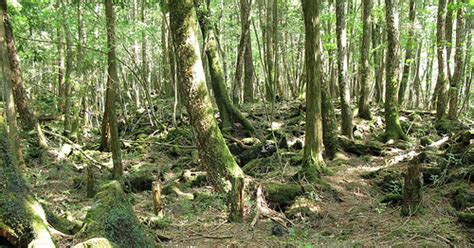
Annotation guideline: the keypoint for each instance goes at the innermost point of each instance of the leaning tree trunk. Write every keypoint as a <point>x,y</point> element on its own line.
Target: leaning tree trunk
<point>22,219</point>
<point>455,83</point>
<point>312,160</point>
<point>364,109</point>
<point>213,151</point>
<point>393,129</point>
<point>27,116</point>
<point>344,91</point>
<point>228,112</point>
<point>442,82</point>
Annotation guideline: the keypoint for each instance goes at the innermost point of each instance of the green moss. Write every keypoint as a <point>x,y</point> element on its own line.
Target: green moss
<point>112,217</point>
<point>467,218</point>
<point>96,243</point>
<point>282,195</point>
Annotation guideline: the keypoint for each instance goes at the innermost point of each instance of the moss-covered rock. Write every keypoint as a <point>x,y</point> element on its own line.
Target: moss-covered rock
<point>281,195</point>
<point>112,217</point>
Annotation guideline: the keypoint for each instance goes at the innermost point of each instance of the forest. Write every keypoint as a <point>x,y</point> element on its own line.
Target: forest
<point>236,123</point>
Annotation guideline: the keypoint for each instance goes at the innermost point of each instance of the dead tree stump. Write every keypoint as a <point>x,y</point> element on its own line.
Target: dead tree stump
<point>156,194</point>
<point>412,190</point>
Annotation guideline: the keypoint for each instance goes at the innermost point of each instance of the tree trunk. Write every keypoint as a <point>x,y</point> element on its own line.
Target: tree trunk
<point>22,219</point>
<point>245,7</point>
<point>393,129</point>
<point>455,83</point>
<point>67,79</point>
<point>249,68</point>
<point>344,91</point>
<point>112,82</point>
<point>442,82</point>
<point>408,55</point>
<point>228,112</point>
<point>450,7</point>
<point>312,160</point>
<point>213,151</point>
<point>10,111</point>
<point>22,101</point>
<point>364,74</point>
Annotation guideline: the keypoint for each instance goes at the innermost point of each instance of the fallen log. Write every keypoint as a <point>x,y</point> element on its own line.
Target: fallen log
<point>22,219</point>
<point>112,217</point>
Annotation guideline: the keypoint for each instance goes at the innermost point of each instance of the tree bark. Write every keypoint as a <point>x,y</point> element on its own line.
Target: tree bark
<point>312,159</point>
<point>10,111</point>
<point>22,219</point>
<point>408,55</point>
<point>112,82</point>
<point>364,74</point>
<point>213,151</point>
<point>22,101</point>
<point>442,82</point>
<point>393,129</point>
<point>228,112</point>
<point>455,83</point>
<point>344,91</point>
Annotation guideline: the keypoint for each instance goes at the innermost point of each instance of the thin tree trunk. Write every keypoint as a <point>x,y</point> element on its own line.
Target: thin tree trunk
<point>112,82</point>
<point>455,83</point>
<point>442,82</point>
<point>364,108</point>
<point>344,91</point>
<point>408,56</point>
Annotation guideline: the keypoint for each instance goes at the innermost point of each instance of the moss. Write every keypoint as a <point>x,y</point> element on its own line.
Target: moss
<point>467,218</point>
<point>392,198</point>
<point>282,195</point>
<point>112,217</point>
<point>96,243</point>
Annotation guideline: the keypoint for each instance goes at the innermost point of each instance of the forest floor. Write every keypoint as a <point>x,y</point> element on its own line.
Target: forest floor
<point>348,208</point>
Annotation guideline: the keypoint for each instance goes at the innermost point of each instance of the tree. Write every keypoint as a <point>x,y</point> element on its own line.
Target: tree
<point>408,55</point>
<point>22,218</point>
<point>10,111</point>
<point>245,7</point>
<point>228,112</point>
<point>313,162</point>
<point>112,82</point>
<point>393,129</point>
<point>459,62</point>
<point>21,98</point>
<point>442,82</point>
<point>213,152</point>
<point>344,91</point>
<point>364,108</point>
<point>248,58</point>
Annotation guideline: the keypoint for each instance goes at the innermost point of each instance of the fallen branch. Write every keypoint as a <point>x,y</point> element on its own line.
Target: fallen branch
<point>77,147</point>
<point>159,143</point>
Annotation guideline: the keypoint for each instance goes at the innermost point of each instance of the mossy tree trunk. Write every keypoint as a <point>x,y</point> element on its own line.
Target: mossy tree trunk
<point>312,160</point>
<point>442,82</point>
<point>22,101</point>
<point>393,129</point>
<point>228,112</point>
<point>408,55</point>
<point>67,79</point>
<point>112,218</point>
<point>22,219</point>
<point>455,83</point>
<point>12,127</point>
<point>213,152</point>
<point>364,72</point>
<point>112,82</point>
<point>344,91</point>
